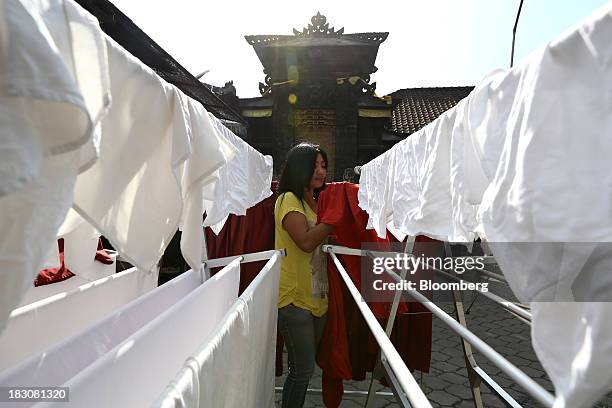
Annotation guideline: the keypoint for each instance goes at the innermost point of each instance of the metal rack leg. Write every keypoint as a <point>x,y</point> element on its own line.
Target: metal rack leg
<point>470,363</point>
<point>378,369</point>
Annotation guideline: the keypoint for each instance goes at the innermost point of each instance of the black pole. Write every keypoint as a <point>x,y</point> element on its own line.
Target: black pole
<point>514,33</point>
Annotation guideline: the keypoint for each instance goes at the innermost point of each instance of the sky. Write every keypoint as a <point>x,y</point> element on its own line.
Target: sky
<point>430,43</point>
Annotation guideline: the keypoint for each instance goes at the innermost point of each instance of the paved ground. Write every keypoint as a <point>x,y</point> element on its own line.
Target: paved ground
<point>446,384</point>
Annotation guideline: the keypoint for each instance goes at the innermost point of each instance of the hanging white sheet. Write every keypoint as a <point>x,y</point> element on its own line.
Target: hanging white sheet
<point>210,378</point>
<point>34,328</point>
<point>530,171</point>
<point>135,371</point>
<point>408,188</point>
<point>196,177</point>
<point>241,183</point>
<point>420,197</point>
<point>133,194</point>
<point>553,185</point>
<point>476,143</point>
<point>53,92</point>
<point>64,360</point>
<point>376,189</point>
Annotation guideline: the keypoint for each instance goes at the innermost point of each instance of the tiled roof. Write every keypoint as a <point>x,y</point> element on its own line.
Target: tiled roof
<point>417,107</point>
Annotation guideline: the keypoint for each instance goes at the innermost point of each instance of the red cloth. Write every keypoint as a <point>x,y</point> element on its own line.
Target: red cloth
<point>347,348</point>
<point>53,275</point>
<point>102,255</point>
<point>253,232</point>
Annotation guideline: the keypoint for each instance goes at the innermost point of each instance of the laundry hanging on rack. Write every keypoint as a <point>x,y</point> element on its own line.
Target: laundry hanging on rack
<point>32,215</point>
<point>253,232</point>
<point>154,145</point>
<point>156,154</point>
<point>244,234</point>
<point>550,190</point>
<point>408,187</point>
<point>342,354</point>
<point>243,182</point>
<point>177,331</point>
<point>58,360</point>
<point>240,353</point>
<point>50,129</point>
<point>33,328</point>
<point>529,172</point>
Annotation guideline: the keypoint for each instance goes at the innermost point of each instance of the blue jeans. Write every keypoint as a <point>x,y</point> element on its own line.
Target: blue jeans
<point>302,332</point>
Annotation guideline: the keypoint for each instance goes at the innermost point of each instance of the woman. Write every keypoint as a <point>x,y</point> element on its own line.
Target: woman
<point>302,300</point>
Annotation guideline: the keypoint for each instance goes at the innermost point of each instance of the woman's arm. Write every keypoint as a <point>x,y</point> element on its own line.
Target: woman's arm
<point>306,238</point>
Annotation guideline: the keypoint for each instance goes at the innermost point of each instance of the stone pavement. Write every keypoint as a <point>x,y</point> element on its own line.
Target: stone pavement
<point>446,384</point>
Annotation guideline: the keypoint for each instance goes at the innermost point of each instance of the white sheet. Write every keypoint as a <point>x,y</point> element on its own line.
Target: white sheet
<point>80,248</point>
<point>29,220</point>
<point>240,353</point>
<point>64,360</point>
<point>196,176</point>
<point>421,198</point>
<point>241,183</point>
<point>530,171</point>
<point>54,71</point>
<point>553,180</point>
<point>136,165</point>
<point>408,187</point>
<point>553,185</point>
<point>145,154</point>
<point>135,371</point>
<point>34,328</point>
<point>50,108</point>
<point>376,183</point>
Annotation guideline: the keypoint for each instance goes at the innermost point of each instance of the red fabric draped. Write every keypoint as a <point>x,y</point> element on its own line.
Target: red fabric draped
<point>243,234</point>
<point>348,349</point>
<point>52,275</point>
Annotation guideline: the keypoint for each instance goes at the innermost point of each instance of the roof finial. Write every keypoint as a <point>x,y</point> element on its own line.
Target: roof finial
<point>318,27</point>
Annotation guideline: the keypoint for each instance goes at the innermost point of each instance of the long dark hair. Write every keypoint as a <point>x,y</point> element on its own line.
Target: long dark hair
<point>298,170</point>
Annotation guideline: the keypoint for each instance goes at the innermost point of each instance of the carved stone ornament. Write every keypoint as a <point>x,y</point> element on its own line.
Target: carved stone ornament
<point>265,88</point>
<point>318,27</point>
